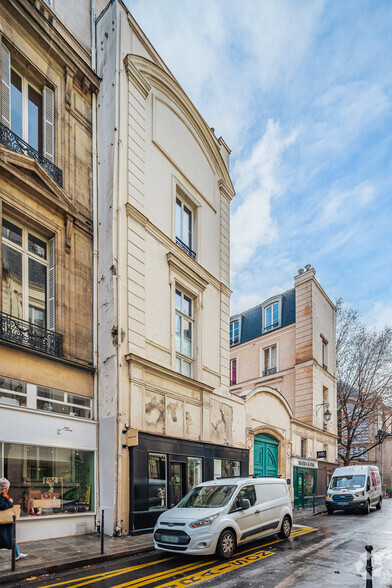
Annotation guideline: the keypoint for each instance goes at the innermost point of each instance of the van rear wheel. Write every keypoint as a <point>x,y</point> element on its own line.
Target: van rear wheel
<point>226,544</point>
<point>379,504</point>
<point>285,529</point>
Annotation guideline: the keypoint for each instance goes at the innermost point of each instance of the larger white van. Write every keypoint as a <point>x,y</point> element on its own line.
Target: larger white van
<point>354,487</point>
<point>217,516</point>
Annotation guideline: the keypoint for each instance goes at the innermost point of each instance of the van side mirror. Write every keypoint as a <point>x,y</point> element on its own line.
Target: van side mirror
<point>244,504</point>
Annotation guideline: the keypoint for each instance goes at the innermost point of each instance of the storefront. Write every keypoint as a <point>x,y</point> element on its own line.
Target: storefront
<point>163,470</point>
<point>304,481</point>
<point>48,453</point>
<point>324,475</point>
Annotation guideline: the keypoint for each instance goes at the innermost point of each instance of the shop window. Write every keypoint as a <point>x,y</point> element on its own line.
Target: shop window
<point>49,480</point>
<point>184,333</point>
<point>27,275</point>
<point>157,487</point>
<point>12,392</point>
<point>226,468</point>
<point>194,472</point>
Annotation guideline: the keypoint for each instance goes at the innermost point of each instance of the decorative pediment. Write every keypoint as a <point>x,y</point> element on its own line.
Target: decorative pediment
<point>27,172</point>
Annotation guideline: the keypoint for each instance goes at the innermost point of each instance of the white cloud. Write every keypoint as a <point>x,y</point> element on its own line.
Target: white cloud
<point>379,315</point>
<point>258,179</point>
<point>340,205</point>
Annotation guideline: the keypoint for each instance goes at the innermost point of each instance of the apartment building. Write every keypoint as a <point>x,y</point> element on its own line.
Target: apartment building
<point>167,417</point>
<point>48,432</point>
<point>282,362</point>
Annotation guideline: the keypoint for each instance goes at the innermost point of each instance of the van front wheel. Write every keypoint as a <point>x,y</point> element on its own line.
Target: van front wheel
<point>285,529</point>
<point>226,544</point>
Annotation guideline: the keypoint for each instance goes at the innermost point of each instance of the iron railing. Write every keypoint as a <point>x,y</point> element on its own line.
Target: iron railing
<point>185,248</point>
<point>269,372</point>
<point>23,333</point>
<point>15,143</point>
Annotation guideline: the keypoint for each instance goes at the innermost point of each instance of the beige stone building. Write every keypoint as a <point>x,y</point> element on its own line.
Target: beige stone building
<point>167,417</point>
<point>283,364</point>
<point>48,435</point>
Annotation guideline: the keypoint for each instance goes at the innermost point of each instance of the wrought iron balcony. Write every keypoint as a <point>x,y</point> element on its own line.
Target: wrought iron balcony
<point>15,143</point>
<point>26,334</point>
<point>185,248</point>
<point>269,371</point>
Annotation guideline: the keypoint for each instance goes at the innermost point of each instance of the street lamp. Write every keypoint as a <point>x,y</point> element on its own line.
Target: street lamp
<point>327,413</point>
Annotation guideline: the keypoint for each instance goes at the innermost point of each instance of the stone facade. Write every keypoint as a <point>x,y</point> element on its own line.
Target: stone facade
<point>284,399</point>
<point>46,193</point>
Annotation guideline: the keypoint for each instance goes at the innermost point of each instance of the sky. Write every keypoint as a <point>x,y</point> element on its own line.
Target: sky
<point>301,91</point>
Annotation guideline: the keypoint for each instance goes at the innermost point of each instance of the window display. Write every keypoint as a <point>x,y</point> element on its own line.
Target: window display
<point>195,472</point>
<point>49,480</point>
<point>226,468</point>
<point>157,495</point>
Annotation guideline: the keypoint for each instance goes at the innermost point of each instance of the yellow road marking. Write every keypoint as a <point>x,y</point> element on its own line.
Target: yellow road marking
<point>141,582</point>
<point>223,568</point>
<point>160,575</point>
<point>103,575</point>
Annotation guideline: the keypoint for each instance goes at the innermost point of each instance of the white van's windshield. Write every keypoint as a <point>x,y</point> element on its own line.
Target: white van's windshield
<point>207,497</point>
<point>354,481</point>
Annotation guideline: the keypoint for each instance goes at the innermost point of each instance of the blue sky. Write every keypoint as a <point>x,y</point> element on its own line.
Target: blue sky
<point>302,93</point>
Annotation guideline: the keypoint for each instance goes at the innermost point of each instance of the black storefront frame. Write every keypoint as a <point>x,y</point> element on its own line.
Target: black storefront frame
<point>142,520</point>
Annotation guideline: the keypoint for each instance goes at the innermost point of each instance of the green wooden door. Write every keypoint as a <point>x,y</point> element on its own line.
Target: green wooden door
<point>265,455</point>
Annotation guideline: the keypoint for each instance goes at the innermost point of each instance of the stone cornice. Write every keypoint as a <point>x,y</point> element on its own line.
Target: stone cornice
<point>203,275</point>
<point>313,428</point>
<point>50,38</point>
<point>184,270</point>
<point>132,358</point>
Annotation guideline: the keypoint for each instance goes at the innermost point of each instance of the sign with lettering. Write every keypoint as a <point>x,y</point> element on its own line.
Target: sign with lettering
<point>304,463</point>
<point>321,455</point>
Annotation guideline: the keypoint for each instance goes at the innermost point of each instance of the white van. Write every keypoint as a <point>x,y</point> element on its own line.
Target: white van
<point>217,516</point>
<point>354,487</point>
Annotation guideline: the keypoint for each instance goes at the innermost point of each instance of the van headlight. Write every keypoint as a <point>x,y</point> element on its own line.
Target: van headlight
<point>359,494</point>
<point>329,495</point>
<point>203,522</point>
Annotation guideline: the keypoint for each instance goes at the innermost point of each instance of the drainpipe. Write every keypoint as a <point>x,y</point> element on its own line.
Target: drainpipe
<point>95,231</point>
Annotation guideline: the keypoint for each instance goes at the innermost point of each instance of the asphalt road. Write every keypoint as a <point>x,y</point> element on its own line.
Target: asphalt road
<point>328,553</point>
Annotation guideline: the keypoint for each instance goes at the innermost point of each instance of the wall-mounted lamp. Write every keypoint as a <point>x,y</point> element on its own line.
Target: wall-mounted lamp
<point>327,413</point>
<point>68,429</point>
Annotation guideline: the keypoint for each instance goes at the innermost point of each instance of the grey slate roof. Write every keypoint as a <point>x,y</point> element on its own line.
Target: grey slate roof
<point>252,319</point>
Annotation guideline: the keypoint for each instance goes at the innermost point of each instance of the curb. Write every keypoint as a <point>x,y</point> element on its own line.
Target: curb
<point>71,563</point>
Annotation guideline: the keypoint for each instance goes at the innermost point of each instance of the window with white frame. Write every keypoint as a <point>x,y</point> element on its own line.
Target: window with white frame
<point>233,372</point>
<point>27,274</point>
<point>184,325</point>
<point>234,332</point>
<point>20,394</point>
<point>27,108</point>
<point>324,353</point>
<point>271,315</point>
<point>270,358</point>
<point>184,227</point>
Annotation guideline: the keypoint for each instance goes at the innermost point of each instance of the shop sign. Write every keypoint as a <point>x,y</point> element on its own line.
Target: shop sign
<point>321,455</point>
<point>304,463</point>
<point>132,437</point>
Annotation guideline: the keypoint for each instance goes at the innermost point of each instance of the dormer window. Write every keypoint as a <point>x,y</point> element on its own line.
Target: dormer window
<point>234,332</point>
<point>272,316</point>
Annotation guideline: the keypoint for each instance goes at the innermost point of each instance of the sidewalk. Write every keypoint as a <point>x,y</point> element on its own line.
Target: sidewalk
<point>53,555</point>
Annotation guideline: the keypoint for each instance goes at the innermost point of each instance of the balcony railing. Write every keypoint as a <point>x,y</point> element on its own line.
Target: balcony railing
<point>26,334</point>
<point>185,248</point>
<point>15,143</point>
<point>269,371</point>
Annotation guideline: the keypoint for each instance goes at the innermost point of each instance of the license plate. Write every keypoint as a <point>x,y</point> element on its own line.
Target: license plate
<point>170,539</point>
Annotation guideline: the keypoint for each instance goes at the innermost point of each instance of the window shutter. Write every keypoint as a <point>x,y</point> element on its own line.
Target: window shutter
<point>48,123</point>
<point>5,86</point>
<point>51,288</point>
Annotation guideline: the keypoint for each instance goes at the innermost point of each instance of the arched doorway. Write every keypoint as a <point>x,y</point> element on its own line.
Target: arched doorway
<point>265,455</point>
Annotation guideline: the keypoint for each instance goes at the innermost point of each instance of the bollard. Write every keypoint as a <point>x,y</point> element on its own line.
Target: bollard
<point>369,567</point>
<point>13,559</point>
<point>314,503</point>
<point>102,529</point>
